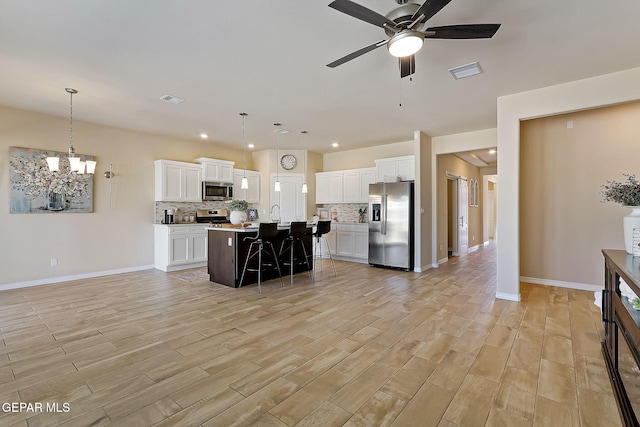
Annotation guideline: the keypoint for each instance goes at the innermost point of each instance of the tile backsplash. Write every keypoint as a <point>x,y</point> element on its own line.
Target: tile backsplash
<point>347,212</point>
<point>185,209</point>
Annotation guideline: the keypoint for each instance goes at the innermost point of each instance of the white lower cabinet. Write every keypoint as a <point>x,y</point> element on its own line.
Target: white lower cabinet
<point>351,242</point>
<point>180,246</point>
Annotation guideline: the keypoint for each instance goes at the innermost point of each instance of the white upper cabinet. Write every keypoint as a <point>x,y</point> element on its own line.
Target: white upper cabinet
<point>329,187</point>
<point>215,170</point>
<point>356,184</point>
<point>252,194</point>
<point>404,167</point>
<point>177,181</point>
<point>345,186</point>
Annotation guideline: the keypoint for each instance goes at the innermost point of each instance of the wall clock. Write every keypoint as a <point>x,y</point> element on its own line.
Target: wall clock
<point>288,162</point>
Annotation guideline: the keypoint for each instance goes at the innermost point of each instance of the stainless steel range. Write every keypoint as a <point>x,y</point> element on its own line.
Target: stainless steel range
<point>213,216</point>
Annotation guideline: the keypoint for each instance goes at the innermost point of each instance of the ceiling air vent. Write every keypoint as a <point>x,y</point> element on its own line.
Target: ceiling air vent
<point>171,99</point>
<point>467,70</point>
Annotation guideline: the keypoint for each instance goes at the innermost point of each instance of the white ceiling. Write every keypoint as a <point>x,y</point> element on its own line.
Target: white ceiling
<point>268,58</point>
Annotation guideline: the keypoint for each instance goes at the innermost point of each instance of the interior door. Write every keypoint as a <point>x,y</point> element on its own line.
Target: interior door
<point>290,198</point>
<point>463,215</point>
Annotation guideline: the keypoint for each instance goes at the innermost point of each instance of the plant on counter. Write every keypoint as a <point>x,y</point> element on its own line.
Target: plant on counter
<point>239,205</point>
<point>625,193</point>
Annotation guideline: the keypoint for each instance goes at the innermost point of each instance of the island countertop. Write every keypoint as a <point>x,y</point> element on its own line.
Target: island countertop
<point>252,228</point>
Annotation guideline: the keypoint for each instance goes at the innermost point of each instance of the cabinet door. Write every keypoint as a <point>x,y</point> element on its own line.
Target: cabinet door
<point>252,194</point>
<point>367,176</point>
<point>335,188</point>
<point>171,182</point>
<point>361,245</point>
<point>351,187</point>
<point>225,173</point>
<point>179,249</point>
<point>210,172</point>
<point>385,168</point>
<point>322,188</point>
<point>192,184</point>
<point>199,247</point>
<point>345,243</point>
<point>406,169</point>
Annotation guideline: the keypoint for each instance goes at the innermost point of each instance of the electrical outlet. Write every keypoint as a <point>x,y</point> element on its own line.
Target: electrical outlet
<point>54,262</point>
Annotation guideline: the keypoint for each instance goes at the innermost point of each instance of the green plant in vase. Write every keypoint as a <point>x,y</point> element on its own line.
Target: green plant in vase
<point>626,193</point>
<point>238,211</point>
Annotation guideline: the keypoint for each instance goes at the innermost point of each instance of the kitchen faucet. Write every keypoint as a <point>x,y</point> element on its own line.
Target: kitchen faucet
<point>275,218</point>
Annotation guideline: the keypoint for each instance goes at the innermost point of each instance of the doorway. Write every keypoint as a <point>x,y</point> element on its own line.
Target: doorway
<point>457,215</point>
<point>489,216</point>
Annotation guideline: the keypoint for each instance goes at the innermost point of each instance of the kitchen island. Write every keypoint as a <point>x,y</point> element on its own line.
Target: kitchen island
<point>227,252</point>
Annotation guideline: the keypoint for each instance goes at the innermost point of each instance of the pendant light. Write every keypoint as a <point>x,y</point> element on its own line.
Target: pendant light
<point>74,162</point>
<point>304,163</point>
<point>278,131</point>
<point>244,184</point>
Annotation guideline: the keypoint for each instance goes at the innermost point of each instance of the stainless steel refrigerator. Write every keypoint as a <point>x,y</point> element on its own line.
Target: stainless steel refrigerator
<point>391,225</point>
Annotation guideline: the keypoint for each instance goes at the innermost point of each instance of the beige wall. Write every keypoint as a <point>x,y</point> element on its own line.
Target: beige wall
<point>456,166</point>
<point>120,238</point>
<point>365,157</point>
<point>563,224</point>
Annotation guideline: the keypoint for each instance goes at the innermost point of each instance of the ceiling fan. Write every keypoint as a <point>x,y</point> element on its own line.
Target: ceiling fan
<point>404,25</point>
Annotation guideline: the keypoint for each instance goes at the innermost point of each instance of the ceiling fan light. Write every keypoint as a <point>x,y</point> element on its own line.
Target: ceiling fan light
<point>405,43</point>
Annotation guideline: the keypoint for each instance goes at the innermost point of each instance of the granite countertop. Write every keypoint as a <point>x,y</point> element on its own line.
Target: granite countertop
<point>251,228</point>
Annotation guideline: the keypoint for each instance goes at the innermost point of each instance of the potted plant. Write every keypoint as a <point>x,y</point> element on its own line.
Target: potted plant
<point>361,213</point>
<point>627,194</point>
<point>238,211</point>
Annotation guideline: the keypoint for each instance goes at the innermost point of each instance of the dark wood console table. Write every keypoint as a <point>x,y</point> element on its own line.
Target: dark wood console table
<point>621,343</point>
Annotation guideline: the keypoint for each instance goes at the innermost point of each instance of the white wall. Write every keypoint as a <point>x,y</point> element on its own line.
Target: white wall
<point>106,240</point>
<point>584,94</point>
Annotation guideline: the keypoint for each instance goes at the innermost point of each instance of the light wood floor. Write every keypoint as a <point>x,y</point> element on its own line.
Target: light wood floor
<point>369,347</point>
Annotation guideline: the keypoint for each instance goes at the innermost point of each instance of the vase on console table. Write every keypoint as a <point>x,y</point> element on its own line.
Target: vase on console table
<point>630,222</point>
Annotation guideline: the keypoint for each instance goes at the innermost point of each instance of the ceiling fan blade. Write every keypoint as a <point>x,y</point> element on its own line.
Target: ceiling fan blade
<point>362,13</point>
<point>469,31</point>
<point>357,53</point>
<point>407,65</point>
<point>428,9</point>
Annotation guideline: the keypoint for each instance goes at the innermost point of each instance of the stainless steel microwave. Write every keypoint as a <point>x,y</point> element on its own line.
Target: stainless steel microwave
<point>217,191</point>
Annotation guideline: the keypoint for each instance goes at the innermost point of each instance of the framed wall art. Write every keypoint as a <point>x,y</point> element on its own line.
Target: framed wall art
<point>33,188</point>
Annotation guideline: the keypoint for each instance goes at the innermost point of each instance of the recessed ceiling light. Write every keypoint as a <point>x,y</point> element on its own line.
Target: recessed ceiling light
<point>466,70</point>
<point>172,99</point>
<point>204,136</point>
<point>335,144</point>
<point>492,151</point>
<point>251,146</point>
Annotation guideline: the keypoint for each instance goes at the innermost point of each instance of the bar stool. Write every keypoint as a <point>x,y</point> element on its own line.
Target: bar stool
<point>322,228</point>
<point>266,233</point>
<point>297,230</point>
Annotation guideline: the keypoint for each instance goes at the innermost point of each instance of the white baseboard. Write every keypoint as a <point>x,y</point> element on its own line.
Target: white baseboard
<point>486,243</point>
<point>561,284</point>
<point>59,279</point>
<point>473,248</point>
<point>508,297</point>
<point>443,260</point>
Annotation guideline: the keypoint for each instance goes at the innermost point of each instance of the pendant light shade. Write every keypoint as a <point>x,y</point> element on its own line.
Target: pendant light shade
<point>54,163</point>
<point>278,131</point>
<point>244,184</point>
<point>304,163</point>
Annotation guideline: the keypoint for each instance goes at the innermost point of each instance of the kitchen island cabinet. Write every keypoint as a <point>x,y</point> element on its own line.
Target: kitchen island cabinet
<point>228,252</point>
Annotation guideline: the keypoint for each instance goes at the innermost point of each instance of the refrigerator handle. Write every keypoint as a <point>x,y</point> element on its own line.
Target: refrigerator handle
<point>383,229</point>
